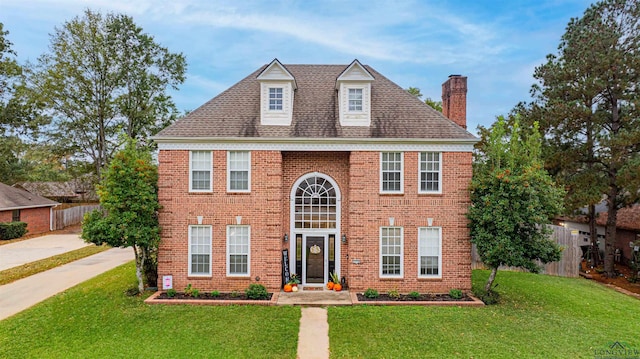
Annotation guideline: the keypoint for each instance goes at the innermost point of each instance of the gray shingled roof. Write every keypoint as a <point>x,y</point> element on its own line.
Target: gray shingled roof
<point>235,113</point>
<point>14,198</point>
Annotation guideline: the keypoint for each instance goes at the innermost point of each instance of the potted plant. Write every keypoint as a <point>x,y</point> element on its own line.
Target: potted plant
<point>294,280</point>
<point>337,286</point>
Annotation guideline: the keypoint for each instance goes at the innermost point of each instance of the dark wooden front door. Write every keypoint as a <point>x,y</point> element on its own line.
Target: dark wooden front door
<point>315,260</point>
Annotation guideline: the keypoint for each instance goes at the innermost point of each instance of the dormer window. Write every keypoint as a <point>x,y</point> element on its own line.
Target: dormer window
<point>277,89</point>
<point>275,98</point>
<point>354,95</point>
<point>355,100</point>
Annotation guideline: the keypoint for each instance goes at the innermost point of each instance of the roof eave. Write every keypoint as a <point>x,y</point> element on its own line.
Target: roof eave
<point>28,207</point>
<point>179,139</point>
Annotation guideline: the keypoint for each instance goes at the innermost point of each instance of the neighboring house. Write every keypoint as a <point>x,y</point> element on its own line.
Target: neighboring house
<point>335,164</point>
<point>627,229</point>
<point>77,190</point>
<point>19,205</point>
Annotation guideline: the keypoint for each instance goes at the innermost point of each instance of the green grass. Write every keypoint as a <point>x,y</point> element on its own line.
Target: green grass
<point>539,317</point>
<point>97,320</point>
<point>10,275</point>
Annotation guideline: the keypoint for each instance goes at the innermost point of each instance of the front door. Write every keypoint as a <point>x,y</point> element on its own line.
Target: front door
<point>315,260</point>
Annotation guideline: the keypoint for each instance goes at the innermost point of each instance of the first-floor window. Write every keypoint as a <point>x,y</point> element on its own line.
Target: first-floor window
<point>429,251</point>
<point>238,238</point>
<point>200,250</point>
<point>15,215</point>
<point>391,252</point>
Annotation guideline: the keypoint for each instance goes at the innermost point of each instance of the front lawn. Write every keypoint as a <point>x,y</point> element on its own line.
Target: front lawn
<point>539,317</point>
<point>96,320</point>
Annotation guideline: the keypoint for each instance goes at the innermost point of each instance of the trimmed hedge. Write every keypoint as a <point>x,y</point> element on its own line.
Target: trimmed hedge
<point>11,230</point>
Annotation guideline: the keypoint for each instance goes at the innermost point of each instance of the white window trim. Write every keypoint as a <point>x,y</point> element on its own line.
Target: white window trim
<point>401,191</point>
<point>282,100</point>
<point>439,275</point>
<point>229,174</point>
<point>401,275</point>
<point>439,191</point>
<point>191,274</point>
<point>191,173</point>
<point>248,274</point>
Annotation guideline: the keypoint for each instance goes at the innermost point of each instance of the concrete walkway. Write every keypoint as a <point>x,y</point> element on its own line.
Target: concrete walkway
<point>31,250</point>
<point>24,293</point>
<point>313,337</point>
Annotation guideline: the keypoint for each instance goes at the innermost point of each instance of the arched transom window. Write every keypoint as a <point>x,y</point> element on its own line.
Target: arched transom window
<point>315,204</point>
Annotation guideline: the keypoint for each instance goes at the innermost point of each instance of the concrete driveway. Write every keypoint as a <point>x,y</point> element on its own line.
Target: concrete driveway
<point>31,250</point>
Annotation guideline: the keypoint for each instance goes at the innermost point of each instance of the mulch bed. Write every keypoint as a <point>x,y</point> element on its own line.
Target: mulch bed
<point>421,298</point>
<point>208,296</point>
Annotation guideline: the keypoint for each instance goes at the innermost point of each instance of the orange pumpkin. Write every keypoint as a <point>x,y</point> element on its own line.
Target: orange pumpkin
<point>287,288</point>
<point>330,285</point>
<point>337,287</point>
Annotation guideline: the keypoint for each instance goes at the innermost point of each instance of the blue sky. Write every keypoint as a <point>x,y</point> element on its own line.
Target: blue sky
<point>497,44</point>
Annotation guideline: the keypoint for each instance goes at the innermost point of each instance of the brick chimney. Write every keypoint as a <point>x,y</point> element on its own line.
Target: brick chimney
<point>454,99</point>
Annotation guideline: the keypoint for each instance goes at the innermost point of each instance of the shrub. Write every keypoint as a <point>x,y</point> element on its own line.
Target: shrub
<point>191,292</point>
<point>215,293</point>
<point>489,298</point>
<point>171,293</point>
<point>371,293</point>
<point>256,291</point>
<point>394,294</point>
<point>11,230</point>
<point>455,293</point>
<point>414,295</point>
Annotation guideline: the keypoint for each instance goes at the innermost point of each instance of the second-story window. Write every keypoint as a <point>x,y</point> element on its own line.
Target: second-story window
<point>239,171</point>
<point>391,172</point>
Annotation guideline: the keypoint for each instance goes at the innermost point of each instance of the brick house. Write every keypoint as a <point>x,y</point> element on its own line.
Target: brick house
<point>335,165</point>
<point>19,205</point>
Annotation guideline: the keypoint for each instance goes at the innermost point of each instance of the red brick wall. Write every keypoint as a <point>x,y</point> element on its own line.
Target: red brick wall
<point>37,219</point>
<point>267,210</point>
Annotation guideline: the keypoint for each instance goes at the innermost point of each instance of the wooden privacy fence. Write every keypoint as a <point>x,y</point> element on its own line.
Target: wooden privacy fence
<point>568,266</point>
<point>66,217</point>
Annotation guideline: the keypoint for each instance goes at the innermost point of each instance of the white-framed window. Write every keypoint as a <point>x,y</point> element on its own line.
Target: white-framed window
<point>430,172</point>
<point>355,100</point>
<point>200,172</point>
<point>200,250</point>
<point>239,171</point>
<point>238,250</point>
<point>275,98</point>
<point>430,252</point>
<point>391,172</point>
<point>391,252</point>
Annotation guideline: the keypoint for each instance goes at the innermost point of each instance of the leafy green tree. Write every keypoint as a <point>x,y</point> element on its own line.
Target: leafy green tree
<point>103,77</point>
<point>587,102</point>
<point>512,199</point>
<point>436,105</point>
<point>129,218</point>
<point>415,92</point>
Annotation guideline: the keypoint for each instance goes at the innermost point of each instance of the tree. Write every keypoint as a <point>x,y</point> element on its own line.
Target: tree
<point>414,91</point>
<point>436,105</point>
<point>587,103</point>
<point>129,217</point>
<point>512,198</point>
<point>103,77</point>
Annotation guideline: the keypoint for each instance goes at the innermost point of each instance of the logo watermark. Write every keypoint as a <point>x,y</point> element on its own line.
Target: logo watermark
<point>617,350</point>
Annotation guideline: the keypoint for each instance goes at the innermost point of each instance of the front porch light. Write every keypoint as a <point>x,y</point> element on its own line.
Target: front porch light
<point>344,238</point>
<point>286,237</point>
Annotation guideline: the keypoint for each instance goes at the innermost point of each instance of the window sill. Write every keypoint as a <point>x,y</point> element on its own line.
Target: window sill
<point>391,193</point>
<point>200,192</point>
<point>430,279</point>
<point>239,192</point>
<point>244,276</point>
<point>196,277</point>
<point>391,279</point>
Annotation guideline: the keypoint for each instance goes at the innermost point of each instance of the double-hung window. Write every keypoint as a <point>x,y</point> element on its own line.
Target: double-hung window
<point>238,250</point>
<point>15,215</point>
<point>391,172</point>
<point>199,250</point>
<point>200,172</point>
<point>391,252</point>
<point>355,100</point>
<point>275,98</point>
<point>238,171</point>
<point>430,252</point>
<point>430,175</point>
